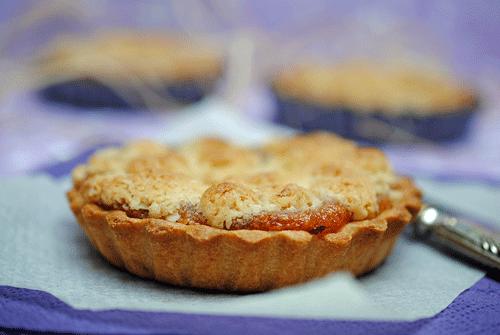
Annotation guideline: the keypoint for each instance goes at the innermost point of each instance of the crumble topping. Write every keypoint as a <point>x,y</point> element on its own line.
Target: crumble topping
<point>115,56</point>
<point>317,181</point>
<point>375,87</point>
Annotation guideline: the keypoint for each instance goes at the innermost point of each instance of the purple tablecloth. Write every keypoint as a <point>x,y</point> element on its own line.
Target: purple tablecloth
<point>474,311</point>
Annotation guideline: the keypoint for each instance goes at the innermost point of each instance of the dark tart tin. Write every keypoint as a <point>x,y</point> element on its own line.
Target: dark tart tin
<point>91,93</point>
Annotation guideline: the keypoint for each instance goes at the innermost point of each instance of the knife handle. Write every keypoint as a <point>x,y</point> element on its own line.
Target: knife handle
<point>458,234</point>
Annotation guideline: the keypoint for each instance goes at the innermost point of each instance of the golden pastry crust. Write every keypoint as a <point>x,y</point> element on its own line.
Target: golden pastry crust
<point>375,87</point>
<point>117,56</point>
<point>131,204</point>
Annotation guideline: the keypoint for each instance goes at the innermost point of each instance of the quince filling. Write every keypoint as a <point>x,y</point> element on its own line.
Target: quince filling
<point>328,218</point>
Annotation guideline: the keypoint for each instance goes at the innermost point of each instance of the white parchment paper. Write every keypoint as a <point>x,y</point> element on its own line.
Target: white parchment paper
<point>42,247</point>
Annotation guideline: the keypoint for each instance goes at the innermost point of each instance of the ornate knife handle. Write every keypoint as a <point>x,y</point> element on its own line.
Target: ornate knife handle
<point>459,235</point>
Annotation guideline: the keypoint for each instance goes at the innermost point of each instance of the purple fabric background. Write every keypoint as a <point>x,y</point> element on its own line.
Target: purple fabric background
<point>465,30</point>
<point>475,311</point>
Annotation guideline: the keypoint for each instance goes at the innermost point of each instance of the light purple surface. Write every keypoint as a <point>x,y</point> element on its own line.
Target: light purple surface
<point>33,133</point>
<point>475,311</point>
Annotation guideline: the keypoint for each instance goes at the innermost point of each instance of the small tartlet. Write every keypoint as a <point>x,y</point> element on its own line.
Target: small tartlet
<point>187,216</point>
<point>129,70</point>
<point>375,102</point>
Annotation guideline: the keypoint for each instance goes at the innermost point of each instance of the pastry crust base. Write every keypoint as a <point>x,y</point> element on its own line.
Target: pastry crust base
<point>240,260</point>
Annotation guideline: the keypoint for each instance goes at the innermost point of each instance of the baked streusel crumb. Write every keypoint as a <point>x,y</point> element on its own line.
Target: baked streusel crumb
<point>307,182</point>
<point>372,87</point>
<point>117,56</point>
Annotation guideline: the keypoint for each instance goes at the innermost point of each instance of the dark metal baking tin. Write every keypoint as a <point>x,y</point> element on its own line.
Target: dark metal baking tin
<point>90,93</point>
<point>376,126</point>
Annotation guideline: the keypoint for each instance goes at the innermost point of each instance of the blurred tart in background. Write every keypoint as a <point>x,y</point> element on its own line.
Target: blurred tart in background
<point>374,102</point>
<point>129,70</point>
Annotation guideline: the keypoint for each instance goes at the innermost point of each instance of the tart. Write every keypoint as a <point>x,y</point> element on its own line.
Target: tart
<point>128,70</point>
<point>375,102</point>
<point>211,214</point>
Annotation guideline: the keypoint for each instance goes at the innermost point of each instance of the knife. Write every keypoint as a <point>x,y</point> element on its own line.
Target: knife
<point>437,225</point>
